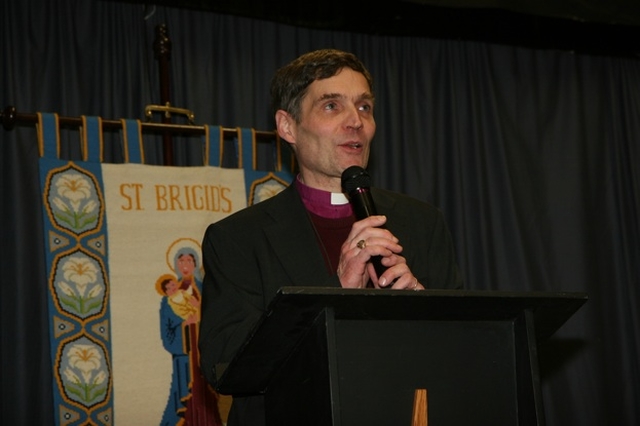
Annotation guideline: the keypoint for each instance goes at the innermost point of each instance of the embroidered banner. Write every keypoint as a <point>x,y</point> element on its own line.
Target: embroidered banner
<point>125,273</point>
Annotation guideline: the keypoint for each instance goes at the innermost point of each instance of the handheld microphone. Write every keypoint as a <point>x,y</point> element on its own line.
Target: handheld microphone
<point>356,183</point>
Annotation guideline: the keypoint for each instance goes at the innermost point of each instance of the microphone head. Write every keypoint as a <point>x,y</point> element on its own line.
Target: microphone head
<point>355,177</point>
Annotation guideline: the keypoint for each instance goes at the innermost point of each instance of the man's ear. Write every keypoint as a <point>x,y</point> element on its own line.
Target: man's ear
<point>285,125</point>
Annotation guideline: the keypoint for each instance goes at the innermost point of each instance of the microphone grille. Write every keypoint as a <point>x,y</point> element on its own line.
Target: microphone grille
<point>355,177</point>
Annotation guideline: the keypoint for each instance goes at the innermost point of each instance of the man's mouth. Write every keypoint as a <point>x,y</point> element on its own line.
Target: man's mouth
<point>353,145</point>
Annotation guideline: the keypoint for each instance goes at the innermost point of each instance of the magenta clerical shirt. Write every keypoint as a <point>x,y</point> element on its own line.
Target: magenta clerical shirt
<point>331,216</point>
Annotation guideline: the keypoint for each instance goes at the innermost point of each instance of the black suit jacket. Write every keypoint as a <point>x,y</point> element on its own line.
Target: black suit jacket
<point>249,255</point>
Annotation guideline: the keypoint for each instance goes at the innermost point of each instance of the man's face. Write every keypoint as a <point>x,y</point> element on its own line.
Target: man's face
<point>335,129</point>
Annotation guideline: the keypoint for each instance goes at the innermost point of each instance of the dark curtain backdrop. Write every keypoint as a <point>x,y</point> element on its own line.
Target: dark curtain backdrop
<point>533,155</point>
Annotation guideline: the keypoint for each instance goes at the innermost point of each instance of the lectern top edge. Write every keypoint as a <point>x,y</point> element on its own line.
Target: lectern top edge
<point>311,290</point>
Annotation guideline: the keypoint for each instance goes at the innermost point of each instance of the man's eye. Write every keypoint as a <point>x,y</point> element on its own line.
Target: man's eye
<point>366,107</point>
<point>330,106</point>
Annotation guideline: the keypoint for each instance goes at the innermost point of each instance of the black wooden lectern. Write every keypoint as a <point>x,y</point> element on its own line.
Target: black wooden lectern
<point>339,357</point>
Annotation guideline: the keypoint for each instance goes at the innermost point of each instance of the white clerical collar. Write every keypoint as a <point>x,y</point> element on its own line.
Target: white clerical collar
<point>324,203</point>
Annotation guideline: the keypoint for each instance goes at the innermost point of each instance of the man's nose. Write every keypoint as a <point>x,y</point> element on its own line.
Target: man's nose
<point>354,121</point>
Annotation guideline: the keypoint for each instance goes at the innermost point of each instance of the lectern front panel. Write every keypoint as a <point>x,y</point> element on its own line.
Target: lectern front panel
<point>468,369</point>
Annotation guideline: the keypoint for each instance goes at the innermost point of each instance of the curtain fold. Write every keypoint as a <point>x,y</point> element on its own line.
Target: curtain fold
<point>531,154</point>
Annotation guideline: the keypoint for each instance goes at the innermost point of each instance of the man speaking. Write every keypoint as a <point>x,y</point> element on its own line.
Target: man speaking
<point>308,235</point>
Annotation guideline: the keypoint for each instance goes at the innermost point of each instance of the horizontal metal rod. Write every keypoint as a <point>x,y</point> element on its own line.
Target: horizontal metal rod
<point>11,118</point>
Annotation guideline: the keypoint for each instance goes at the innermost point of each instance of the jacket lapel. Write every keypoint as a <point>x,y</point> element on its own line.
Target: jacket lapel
<point>294,242</point>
